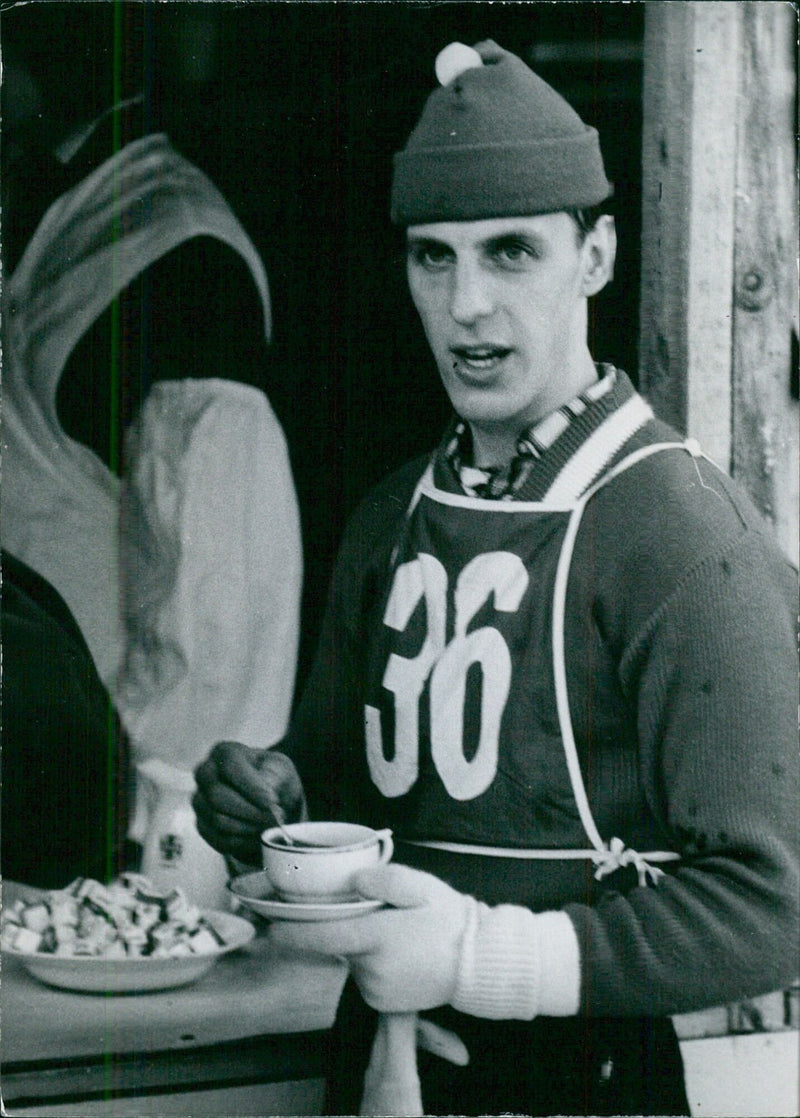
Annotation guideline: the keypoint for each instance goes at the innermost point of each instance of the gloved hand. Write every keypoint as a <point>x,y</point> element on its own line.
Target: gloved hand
<point>402,958</point>
<point>237,789</point>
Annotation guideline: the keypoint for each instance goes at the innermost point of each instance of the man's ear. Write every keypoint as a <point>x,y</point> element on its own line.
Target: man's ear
<point>599,253</point>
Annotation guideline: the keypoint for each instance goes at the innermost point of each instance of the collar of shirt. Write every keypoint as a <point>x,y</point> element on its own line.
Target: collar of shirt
<point>505,483</point>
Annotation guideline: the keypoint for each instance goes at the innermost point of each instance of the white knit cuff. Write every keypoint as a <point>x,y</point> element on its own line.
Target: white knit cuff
<point>515,963</point>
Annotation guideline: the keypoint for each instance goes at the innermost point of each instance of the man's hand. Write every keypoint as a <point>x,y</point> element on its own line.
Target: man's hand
<point>237,788</point>
<point>402,958</point>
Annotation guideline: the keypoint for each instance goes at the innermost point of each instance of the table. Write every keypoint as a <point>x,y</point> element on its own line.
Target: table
<point>247,1038</point>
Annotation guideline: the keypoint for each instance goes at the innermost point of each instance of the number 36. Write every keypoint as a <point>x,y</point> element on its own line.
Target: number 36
<point>498,573</point>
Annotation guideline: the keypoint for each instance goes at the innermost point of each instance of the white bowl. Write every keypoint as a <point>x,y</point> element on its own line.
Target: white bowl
<point>93,974</point>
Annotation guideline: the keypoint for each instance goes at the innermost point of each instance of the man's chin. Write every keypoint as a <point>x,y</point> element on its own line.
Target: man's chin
<point>481,404</point>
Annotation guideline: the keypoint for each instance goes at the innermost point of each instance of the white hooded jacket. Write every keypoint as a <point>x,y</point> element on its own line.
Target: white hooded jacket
<point>198,640</point>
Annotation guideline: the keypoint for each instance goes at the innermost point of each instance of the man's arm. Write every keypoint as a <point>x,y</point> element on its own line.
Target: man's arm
<point>714,674</point>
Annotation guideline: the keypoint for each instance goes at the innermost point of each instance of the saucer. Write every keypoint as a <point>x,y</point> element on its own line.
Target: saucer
<point>255,891</point>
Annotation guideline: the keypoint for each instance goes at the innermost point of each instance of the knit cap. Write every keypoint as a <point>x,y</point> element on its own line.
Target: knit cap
<point>494,140</point>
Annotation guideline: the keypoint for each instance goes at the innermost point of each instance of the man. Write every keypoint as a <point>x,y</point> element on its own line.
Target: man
<point>558,661</point>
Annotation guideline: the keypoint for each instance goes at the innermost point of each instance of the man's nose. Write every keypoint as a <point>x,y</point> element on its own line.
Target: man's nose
<point>470,294</point>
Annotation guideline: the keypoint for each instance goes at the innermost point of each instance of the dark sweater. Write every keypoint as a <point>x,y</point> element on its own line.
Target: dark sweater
<point>682,672</point>
<point>65,765</point>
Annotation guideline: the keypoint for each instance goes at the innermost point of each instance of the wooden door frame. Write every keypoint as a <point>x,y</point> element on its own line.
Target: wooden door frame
<point>719,239</point>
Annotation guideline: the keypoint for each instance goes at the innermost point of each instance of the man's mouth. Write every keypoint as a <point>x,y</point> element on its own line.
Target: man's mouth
<point>479,357</point>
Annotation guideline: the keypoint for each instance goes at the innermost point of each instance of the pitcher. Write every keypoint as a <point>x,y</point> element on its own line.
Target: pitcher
<point>174,854</point>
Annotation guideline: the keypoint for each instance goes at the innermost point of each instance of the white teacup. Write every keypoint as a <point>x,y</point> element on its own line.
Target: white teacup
<point>321,867</point>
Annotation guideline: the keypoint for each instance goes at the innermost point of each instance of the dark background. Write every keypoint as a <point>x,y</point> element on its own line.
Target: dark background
<point>294,110</point>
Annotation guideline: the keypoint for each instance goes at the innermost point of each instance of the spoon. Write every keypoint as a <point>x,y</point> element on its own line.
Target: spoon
<point>306,844</point>
<point>303,844</point>
<point>277,811</point>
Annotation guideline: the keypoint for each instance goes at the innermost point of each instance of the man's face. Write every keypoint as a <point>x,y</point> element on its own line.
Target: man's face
<point>503,305</point>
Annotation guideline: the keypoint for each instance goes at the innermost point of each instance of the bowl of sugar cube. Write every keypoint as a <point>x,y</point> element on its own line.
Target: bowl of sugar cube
<point>124,937</point>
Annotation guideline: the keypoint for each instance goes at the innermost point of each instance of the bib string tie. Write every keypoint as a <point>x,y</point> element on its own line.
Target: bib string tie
<point>618,855</point>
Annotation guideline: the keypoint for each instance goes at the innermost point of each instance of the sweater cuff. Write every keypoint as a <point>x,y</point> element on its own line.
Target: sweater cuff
<point>518,964</point>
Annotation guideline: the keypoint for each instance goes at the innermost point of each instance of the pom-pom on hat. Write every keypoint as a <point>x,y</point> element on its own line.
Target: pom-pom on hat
<point>494,140</point>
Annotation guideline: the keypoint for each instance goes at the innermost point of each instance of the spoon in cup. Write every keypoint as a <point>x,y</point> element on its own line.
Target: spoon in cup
<point>280,819</point>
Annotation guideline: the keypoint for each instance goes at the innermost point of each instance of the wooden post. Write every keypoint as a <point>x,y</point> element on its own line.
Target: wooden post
<point>765,418</point>
<point>688,152</point>
<point>719,266</point>
<point>719,239</point>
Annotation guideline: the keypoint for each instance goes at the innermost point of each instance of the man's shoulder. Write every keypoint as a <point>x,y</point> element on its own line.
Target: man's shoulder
<point>676,482</point>
<point>394,491</point>
<point>670,514</point>
<point>381,511</point>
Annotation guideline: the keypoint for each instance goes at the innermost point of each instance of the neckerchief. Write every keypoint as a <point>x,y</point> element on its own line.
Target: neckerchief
<point>504,482</point>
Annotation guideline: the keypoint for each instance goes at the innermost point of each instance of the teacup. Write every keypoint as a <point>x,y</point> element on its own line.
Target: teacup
<point>321,866</point>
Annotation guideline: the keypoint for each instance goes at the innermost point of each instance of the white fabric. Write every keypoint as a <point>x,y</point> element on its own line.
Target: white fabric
<point>61,505</point>
<point>211,584</point>
<point>391,1082</point>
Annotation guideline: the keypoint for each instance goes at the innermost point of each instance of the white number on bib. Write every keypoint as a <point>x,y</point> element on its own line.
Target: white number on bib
<point>424,577</point>
<point>498,573</point>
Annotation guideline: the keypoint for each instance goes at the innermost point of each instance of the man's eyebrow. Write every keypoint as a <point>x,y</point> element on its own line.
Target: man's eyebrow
<point>514,234</point>
<point>422,241</point>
